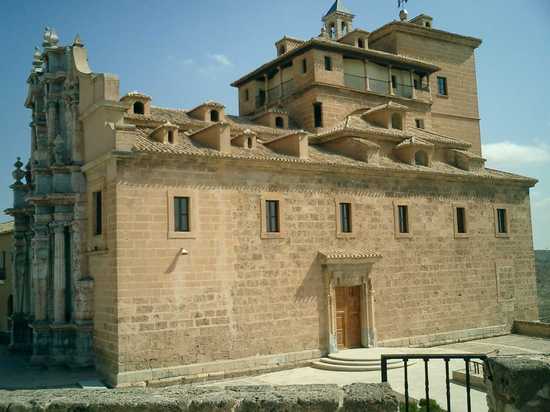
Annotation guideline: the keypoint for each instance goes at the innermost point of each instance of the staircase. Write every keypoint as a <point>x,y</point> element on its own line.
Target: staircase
<point>358,360</point>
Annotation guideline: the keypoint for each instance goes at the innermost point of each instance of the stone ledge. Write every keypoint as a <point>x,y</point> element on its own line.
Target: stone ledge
<point>444,338</point>
<point>531,328</point>
<point>311,398</point>
<point>201,372</point>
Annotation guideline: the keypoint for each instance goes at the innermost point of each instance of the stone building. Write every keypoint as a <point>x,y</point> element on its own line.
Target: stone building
<point>347,205</point>
<point>542,266</point>
<point>6,281</point>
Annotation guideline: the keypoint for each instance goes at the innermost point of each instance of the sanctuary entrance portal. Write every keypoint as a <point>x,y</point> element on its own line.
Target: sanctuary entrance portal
<point>350,298</point>
<point>348,317</point>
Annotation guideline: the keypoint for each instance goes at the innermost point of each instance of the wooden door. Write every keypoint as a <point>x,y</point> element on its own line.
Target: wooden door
<point>348,317</point>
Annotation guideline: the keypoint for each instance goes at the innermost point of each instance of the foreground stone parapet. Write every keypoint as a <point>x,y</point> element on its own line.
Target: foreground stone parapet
<point>311,398</point>
<point>519,384</point>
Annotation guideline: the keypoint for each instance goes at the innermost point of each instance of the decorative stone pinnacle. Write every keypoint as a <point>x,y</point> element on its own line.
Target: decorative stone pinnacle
<point>77,42</point>
<point>18,173</point>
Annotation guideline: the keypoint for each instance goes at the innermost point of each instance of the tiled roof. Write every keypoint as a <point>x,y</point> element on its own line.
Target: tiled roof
<point>7,227</point>
<point>317,156</point>
<point>350,254</point>
<point>339,7</point>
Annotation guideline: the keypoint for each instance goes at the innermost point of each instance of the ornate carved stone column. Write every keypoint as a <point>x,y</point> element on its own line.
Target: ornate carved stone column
<point>59,272</point>
<point>41,264</point>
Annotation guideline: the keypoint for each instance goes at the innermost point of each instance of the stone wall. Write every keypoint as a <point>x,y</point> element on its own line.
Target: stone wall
<point>310,398</point>
<point>234,295</point>
<point>519,384</point>
<point>542,264</point>
<point>6,244</point>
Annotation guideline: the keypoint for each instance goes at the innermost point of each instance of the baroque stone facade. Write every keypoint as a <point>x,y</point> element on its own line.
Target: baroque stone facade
<point>347,205</point>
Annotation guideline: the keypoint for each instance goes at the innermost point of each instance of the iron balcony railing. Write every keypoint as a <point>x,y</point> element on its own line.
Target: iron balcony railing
<point>280,91</point>
<point>403,90</point>
<point>471,367</point>
<point>379,86</point>
<point>355,82</point>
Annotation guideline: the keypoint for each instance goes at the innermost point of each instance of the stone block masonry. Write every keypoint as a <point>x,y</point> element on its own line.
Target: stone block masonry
<point>542,265</point>
<point>311,398</point>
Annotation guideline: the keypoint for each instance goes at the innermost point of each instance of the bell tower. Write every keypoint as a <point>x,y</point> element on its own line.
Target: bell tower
<point>338,21</point>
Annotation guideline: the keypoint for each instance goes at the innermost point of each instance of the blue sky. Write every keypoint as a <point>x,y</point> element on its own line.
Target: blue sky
<point>182,52</point>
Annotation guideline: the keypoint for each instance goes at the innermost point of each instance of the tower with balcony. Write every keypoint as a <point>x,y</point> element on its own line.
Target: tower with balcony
<point>318,82</point>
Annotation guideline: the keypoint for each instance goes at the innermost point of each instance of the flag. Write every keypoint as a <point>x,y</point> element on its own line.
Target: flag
<point>401,3</point>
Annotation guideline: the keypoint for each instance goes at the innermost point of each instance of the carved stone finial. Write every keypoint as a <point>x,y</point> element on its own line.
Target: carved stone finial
<point>18,173</point>
<point>77,42</point>
<point>403,15</point>
<point>323,32</point>
<point>59,150</point>
<point>54,39</point>
<point>28,173</point>
<point>47,37</point>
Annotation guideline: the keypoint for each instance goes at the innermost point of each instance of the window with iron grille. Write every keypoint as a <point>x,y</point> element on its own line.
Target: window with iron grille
<point>181,214</point>
<point>502,221</point>
<point>403,216</point>
<point>461,220</point>
<point>98,213</point>
<point>272,216</point>
<point>442,86</point>
<point>328,63</point>
<point>345,217</point>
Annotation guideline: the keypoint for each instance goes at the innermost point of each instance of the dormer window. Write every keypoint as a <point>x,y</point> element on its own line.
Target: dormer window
<point>139,108</point>
<point>421,158</point>
<point>396,121</point>
<point>361,43</point>
<point>214,116</point>
<point>171,136</point>
<point>282,50</point>
<point>249,143</point>
<point>279,122</point>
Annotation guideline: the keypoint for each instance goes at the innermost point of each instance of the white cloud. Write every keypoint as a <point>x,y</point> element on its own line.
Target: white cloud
<point>509,153</point>
<point>221,59</point>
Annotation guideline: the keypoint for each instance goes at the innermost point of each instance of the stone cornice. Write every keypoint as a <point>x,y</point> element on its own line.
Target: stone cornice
<point>332,168</point>
<point>432,33</point>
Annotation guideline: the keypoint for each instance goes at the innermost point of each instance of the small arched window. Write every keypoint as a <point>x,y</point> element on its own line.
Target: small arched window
<point>421,158</point>
<point>396,121</point>
<point>170,136</point>
<point>214,116</point>
<point>332,31</point>
<point>279,122</point>
<point>139,108</point>
<point>361,43</point>
<point>344,28</point>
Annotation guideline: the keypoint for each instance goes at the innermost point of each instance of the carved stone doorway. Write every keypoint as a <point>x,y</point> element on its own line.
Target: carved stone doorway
<point>350,299</point>
<point>348,317</point>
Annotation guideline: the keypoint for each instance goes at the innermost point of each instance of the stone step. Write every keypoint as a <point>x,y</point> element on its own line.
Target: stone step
<point>360,358</point>
<point>350,368</point>
<point>356,362</point>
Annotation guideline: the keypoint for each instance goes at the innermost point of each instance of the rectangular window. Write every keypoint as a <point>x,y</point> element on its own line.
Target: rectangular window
<point>394,82</point>
<point>345,217</point>
<point>272,216</point>
<point>246,95</point>
<point>442,86</point>
<point>318,114</point>
<point>304,66</point>
<point>2,265</point>
<point>502,221</point>
<point>181,214</point>
<point>419,123</point>
<point>98,213</point>
<point>328,63</point>
<point>460,220</point>
<point>403,216</point>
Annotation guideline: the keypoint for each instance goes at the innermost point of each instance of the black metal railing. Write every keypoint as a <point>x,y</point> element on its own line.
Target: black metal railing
<point>467,358</point>
<point>379,86</point>
<point>356,82</point>
<point>403,90</point>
